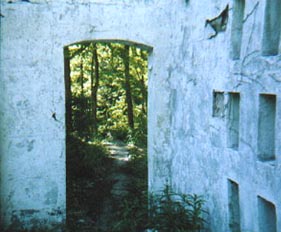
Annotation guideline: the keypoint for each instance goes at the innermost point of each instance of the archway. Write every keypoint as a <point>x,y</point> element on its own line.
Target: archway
<point>106,98</point>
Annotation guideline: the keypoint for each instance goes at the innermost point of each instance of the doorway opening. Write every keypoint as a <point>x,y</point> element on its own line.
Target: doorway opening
<point>106,135</point>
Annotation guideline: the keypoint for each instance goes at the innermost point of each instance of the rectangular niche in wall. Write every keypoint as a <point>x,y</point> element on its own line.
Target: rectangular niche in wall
<point>267,216</point>
<point>233,206</point>
<point>233,120</point>
<point>218,104</point>
<point>272,28</point>
<point>266,127</point>
<point>237,28</point>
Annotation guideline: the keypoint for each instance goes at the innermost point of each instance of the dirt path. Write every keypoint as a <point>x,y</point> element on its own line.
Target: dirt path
<point>82,215</point>
<point>120,154</point>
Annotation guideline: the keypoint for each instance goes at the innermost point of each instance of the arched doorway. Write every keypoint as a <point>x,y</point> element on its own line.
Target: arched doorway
<point>106,103</point>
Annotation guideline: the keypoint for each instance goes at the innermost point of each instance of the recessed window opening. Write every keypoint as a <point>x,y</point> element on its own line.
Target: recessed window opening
<point>237,28</point>
<point>106,127</point>
<point>233,120</point>
<point>218,104</point>
<point>266,127</point>
<point>233,206</point>
<point>266,215</point>
<point>272,28</point>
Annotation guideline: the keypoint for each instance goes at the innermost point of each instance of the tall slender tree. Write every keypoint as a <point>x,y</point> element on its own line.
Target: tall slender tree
<point>143,85</point>
<point>95,77</point>
<point>67,76</point>
<point>126,60</point>
<point>82,76</point>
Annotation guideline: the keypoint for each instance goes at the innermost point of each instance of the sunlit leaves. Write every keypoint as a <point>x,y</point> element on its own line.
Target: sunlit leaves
<point>111,94</point>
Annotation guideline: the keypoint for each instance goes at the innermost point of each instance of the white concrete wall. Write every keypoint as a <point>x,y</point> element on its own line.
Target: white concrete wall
<point>201,160</point>
<point>32,89</point>
<point>187,146</point>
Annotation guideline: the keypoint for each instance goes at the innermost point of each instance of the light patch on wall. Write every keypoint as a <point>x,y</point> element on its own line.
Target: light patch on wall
<point>51,196</point>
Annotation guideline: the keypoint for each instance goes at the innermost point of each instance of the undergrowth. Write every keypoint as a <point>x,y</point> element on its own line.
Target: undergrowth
<point>88,169</point>
<point>87,159</point>
<point>174,212</point>
<point>132,211</point>
<point>163,211</point>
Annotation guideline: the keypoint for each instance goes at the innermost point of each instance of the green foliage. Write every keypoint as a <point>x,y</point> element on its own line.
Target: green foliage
<point>88,169</point>
<point>164,211</point>
<point>97,108</point>
<point>167,212</point>
<point>119,132</point>
<point>132,215</point>
<point>111,105</point>
<point>82,118</point>
<point>137,165</point>
<point>87,159</point>
<point>173,212</point>
<point>138,136</point>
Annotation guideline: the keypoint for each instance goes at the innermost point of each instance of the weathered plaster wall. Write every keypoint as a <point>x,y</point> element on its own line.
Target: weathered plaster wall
<point>187,145</point>
<point>201,160</point>
<point>32,89</point>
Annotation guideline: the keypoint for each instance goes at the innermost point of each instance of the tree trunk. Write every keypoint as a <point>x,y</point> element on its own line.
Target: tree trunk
<point>82,77</point>
<point>144,95</point>
<point>143,87</point>
<point>126,57</point>
<point>67,80</point>
<point>94,86</point>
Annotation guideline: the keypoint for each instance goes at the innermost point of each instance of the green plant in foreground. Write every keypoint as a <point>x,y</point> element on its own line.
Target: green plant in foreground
<point>132,215</point>
<point>168,212</point>
<point>173,212</point>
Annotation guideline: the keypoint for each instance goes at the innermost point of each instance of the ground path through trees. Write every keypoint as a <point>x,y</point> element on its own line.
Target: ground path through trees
<point>120,154</point>
<point>80,219</point>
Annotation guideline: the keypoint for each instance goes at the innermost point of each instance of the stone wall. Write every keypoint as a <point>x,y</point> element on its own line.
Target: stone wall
<point>197,141</point>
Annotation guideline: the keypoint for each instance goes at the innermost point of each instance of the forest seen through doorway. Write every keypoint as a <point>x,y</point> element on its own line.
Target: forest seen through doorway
<point>106,121</point>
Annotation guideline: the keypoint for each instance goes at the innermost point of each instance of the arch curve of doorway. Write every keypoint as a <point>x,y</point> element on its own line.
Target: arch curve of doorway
<point>142,46</point>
